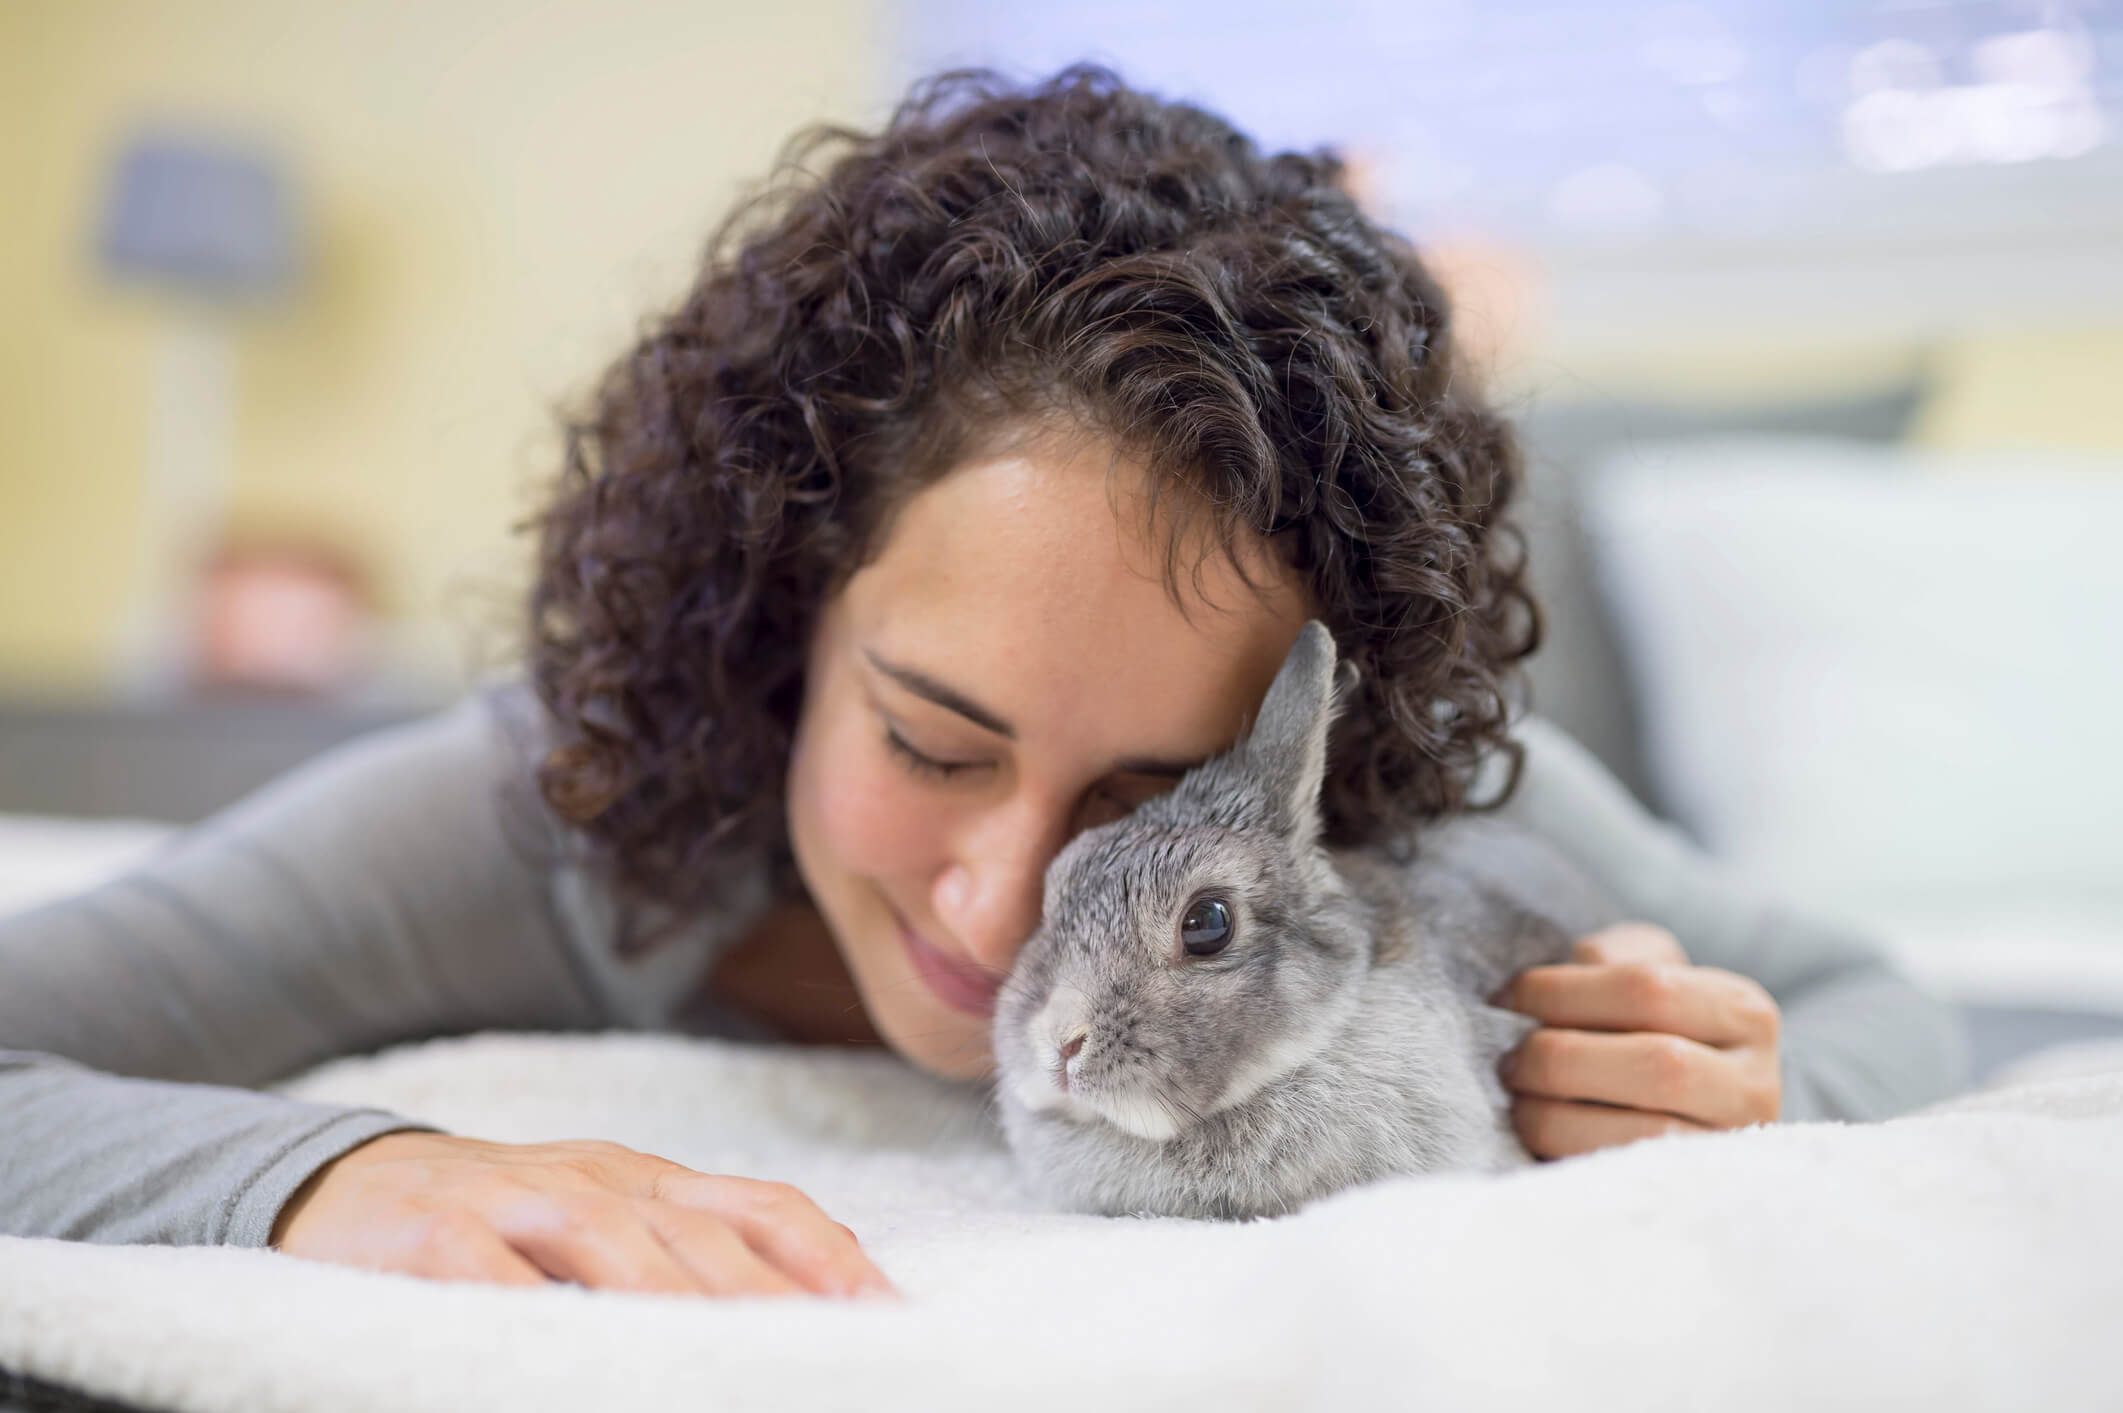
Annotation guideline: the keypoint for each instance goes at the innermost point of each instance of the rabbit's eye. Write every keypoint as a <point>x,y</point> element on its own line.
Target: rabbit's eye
<point>1206,928</point>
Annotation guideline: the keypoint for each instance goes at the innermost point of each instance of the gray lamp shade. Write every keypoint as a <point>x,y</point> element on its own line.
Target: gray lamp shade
<point>200,215</point>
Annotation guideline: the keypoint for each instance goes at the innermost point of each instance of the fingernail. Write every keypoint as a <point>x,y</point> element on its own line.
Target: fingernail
<point>877,1290</point>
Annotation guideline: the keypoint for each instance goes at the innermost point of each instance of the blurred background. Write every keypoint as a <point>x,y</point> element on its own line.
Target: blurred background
<point>1811,313</point>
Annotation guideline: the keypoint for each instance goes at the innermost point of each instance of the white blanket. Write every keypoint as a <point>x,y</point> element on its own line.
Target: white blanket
<point>1967,1257</point>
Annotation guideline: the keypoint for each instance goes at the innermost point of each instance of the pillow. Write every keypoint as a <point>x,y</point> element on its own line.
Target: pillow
<point>1881,676</point>
<point>1577,679</point>
<point>45,858</point>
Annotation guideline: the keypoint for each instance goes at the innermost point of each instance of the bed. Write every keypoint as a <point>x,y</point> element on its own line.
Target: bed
<point>1967,1256</point>
<point>1824,1265</point>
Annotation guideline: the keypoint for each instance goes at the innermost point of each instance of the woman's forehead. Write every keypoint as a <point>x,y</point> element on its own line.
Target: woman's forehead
<point>1031,582</point>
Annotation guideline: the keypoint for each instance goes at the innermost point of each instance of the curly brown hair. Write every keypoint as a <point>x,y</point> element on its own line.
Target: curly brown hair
<point>1073,249</point>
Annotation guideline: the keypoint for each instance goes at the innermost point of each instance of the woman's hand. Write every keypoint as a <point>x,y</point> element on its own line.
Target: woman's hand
<point>1636,1042</point>
<point>595,1213</point>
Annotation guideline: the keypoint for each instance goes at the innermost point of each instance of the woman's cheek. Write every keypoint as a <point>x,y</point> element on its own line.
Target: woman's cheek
<point>875,819</point>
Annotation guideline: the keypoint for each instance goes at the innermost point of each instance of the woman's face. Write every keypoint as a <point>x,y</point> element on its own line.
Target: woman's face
<point>1010,669</point>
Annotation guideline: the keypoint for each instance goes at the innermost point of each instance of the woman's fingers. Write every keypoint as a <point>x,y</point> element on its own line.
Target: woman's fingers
<point>1631,1036</point>
<point>1670,1074</point>
<point>784,1226</point>
<point>594,1239</point>
<point>716,1253</point>
<point>1563,1128</point>
<point>1706,1004</point>
<point>1629,942</point>
<point>788,1239</point>
<point>593,1212</point>
<point>451,1246</point>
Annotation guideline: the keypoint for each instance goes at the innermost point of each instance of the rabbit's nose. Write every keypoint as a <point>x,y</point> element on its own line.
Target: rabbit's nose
<point>1067,1049</point>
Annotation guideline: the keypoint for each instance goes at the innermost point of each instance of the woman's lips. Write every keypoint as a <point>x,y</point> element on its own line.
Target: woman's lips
<point>956,983</point>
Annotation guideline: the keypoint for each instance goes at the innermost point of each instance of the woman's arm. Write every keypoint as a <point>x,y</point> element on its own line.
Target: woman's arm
<point>389,889</point>
<point>1859,1040</point>
<point>406,884</point>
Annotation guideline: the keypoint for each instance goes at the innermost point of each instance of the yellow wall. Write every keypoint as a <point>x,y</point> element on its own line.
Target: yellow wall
<point>2041,388</point>
<point>1998,390</point>
<point>499,190</point>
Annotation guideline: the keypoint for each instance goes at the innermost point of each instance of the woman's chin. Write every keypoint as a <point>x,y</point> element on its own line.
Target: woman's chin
<point>943,1042</point>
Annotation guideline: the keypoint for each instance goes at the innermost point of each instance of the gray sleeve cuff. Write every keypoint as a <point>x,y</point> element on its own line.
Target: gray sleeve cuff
<point>1870,1044</point>
<point>256,1205</point>
<point>113,1159</point>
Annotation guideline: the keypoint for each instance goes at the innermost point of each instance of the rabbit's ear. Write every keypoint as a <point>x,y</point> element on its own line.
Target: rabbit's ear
<point>1286,749</point>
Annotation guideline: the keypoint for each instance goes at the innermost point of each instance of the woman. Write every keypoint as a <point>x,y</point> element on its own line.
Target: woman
<point>975,490</point>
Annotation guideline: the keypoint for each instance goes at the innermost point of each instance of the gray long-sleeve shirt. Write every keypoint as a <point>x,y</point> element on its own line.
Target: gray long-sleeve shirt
<point>410,883</point>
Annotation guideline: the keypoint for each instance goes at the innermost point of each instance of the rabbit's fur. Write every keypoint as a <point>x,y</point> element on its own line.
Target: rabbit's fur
<point>1342,1034</point>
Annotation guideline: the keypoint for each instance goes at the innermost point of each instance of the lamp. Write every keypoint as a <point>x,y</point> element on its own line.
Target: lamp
<point>208,223</point>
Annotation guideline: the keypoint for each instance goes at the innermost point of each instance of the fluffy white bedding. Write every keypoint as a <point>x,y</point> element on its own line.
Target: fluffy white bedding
<point>1967,1257</point>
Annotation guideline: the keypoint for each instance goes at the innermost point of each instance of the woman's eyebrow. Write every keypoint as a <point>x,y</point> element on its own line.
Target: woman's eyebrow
<point>921,684</point>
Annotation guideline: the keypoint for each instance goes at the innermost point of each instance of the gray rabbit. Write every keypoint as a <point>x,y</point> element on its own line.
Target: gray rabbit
<point>1221,1017</point>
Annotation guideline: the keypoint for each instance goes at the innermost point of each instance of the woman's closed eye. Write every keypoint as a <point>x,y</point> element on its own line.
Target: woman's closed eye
<point>923,764</point>
<point>1106,802</point>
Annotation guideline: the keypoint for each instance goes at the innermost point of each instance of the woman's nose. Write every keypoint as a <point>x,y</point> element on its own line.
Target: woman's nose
<point>990,900</point>
<point>989,912</point>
